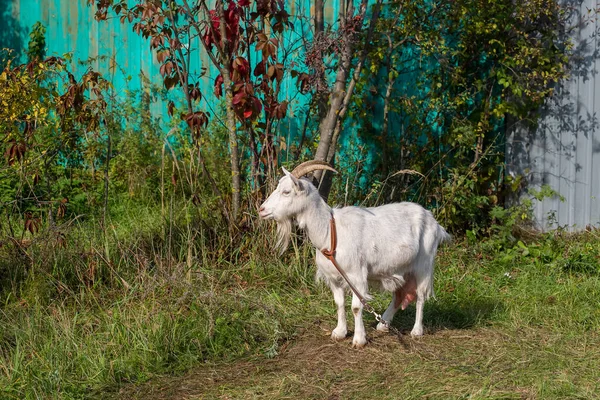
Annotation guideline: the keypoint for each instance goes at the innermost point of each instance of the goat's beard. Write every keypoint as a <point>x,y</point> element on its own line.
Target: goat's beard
<point>284,233</point>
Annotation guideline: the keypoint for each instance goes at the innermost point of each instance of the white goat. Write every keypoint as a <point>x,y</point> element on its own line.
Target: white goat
<point>392,245</point>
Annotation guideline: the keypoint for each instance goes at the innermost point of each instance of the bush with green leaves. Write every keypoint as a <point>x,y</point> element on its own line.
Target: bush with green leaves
<point>51,125</point>
<point>445,81</point>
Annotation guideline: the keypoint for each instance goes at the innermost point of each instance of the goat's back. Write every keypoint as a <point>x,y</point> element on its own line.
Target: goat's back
<point>388,239</point>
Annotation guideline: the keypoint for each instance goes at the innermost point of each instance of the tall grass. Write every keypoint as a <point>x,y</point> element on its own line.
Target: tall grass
<point>159,294</point>
<point>147,295</point>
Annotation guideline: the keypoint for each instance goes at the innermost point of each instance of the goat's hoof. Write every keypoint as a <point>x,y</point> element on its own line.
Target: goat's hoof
<point>339,334</point>
<point>381,327</point>
<point>417,332</point>
<point>359,343</point>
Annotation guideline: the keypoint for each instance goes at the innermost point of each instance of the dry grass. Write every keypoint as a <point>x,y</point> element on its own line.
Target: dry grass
<point>477,364</point>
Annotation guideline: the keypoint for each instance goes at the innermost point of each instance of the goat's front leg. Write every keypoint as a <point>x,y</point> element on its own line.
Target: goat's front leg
<point>360,337</point>
<point>341,329</point>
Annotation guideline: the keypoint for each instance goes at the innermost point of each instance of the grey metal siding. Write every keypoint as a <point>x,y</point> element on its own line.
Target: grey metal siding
<point>563,151</point>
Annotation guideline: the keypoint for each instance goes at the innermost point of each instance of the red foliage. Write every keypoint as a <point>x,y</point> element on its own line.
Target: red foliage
<point>241,69</point>
<point>212,34</point>
<point>196,121</point>
<point>152,21</point>
<point>245,104</point>
<point>15,152</point>
<point>194,92</point>
<point>219,86</point>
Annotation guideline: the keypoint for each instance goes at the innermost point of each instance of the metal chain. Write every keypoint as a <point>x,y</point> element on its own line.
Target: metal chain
<point>369,308</point>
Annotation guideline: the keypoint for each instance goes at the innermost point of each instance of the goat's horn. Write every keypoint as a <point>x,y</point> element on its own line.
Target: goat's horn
<point>310,166</point>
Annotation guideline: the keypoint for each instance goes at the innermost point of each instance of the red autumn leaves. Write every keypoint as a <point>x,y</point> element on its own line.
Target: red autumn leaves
<point>230,33</point>
<point>245,101</point>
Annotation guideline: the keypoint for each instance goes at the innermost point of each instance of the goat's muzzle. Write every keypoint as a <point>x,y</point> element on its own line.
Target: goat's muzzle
<point>263,213</point>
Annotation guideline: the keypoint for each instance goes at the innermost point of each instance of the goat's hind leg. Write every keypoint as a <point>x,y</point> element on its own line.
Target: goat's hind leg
<point>341,329</point>
<point>388,315</point>
<point>401,298</point>
<point>418,327</point>
<point>422,293</point>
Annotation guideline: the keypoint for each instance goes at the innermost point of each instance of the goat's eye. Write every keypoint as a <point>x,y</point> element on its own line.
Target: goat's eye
<point>286,192</point>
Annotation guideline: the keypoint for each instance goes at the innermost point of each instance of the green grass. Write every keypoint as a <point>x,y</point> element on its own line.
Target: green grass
<point>185,311</point>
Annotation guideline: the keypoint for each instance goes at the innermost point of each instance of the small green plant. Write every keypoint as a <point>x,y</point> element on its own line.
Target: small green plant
<point>37,42</point>
<point>508,222</point>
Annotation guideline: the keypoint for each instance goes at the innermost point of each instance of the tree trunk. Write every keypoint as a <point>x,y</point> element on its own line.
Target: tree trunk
<point>331,126</point>
<point>233,146</point>
<point>328,124</point>
<point>223,64</point>
<point>336,97</point>
<point>106,182</point>
<point>319,21</point>
<point>386,122</point>
<point>230,122</point>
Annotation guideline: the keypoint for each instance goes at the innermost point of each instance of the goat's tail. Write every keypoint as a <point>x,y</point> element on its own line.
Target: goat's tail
<point>442,235</point>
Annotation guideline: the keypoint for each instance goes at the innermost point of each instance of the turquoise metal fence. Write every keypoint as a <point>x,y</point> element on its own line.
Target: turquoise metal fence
<point>124,58</point>
<point>120,54</point>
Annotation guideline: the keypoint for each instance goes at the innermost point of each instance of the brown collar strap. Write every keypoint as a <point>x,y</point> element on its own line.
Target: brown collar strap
<point>330,254</point>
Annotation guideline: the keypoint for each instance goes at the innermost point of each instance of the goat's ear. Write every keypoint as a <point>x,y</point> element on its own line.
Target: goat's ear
<point>296,181</point>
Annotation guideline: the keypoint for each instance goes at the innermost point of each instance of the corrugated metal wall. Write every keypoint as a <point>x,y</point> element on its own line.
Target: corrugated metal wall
<point>121,55</point>
<point>564,150</point>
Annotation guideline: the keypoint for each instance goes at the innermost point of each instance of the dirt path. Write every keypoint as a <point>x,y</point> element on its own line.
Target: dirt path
<point>481,363</point>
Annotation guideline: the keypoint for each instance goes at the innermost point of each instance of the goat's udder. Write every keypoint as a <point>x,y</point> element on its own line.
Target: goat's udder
<point>407,293</point>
